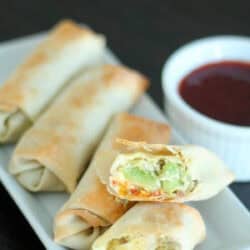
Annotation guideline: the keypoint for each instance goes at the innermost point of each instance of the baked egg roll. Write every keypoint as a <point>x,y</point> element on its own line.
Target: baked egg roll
<point>90,207</point>
<point>52,155</point>
<point>154,226</point>
<point>31,87</point>
<point>151,172</point>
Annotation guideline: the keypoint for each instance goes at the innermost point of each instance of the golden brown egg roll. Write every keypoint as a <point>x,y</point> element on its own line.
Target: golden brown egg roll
<point>155,172</point>
<point>154,226</point>
<point>52,155</point>
<point>31,87</point>
<point>90,206</point>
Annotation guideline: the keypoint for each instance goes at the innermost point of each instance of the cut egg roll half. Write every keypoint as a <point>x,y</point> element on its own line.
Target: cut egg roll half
<point>144,172</point>
<point>154,226</point>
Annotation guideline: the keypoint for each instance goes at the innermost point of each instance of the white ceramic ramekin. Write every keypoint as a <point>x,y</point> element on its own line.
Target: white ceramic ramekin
<point>230,142</point>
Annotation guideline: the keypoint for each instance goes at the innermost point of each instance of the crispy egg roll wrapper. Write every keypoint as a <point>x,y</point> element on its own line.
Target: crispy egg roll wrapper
<point>90,205</point>
<point>29,90</point>
<point>206,173</point>
<point>52,155</point>
<point>154,226</point>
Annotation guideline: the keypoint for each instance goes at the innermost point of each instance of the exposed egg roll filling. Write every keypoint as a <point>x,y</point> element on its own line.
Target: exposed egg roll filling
<point>143,175</point>
<point>139,242</point>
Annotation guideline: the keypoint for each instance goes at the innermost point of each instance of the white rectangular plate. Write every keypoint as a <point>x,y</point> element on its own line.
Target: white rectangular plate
<point>227,221</point>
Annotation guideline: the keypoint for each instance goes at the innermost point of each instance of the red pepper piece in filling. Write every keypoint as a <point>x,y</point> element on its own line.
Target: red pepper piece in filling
<point>134,191</point>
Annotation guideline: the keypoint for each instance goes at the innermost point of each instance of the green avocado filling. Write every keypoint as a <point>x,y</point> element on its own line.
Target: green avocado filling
<point>154,175</point>
<point>140,177</point>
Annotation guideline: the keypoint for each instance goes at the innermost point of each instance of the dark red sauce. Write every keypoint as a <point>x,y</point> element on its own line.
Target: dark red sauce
<point>220,91</point>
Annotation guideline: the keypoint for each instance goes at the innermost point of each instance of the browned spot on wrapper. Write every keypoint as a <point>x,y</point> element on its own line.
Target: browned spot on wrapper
<point>80,98</point>
<point>35,60</point>
<point>115,74</point>
<point>68,30</point>
<point>139,129</point>
<point>99,197</point>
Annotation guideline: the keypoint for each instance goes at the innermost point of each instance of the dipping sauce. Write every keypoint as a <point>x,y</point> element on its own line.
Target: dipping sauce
<point>220,91</point>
